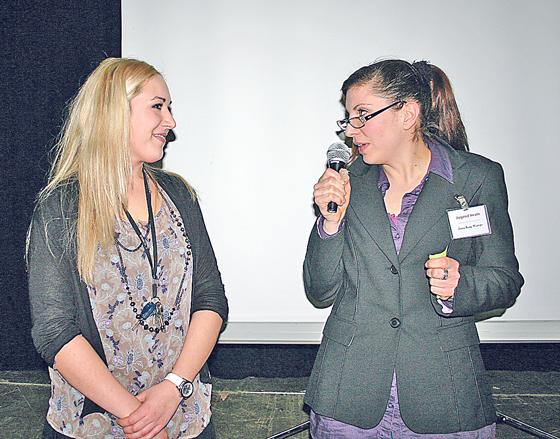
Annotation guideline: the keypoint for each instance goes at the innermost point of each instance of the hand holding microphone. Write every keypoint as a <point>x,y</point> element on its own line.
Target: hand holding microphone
<point>332,192</point>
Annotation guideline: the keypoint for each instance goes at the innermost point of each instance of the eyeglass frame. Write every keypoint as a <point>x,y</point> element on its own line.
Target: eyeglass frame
<point>343,124</point>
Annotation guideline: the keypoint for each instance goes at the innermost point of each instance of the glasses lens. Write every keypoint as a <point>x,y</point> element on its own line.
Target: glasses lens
<point>342,124</point>
<point>356,122</point>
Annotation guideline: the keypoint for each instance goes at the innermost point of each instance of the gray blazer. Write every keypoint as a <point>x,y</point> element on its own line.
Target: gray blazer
<point>384,317</point>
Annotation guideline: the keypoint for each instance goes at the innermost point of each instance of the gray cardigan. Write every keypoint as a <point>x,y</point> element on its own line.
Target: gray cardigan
<point>384,317</point>
<point>60,305</point>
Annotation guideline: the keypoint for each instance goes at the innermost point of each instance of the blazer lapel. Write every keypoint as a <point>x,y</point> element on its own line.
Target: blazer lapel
<point>437,196</point>
<point>369,207</point>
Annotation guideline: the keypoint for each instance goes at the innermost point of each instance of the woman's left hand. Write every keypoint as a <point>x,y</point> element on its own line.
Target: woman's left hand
<point>159,404</point>
<point>444,276</point>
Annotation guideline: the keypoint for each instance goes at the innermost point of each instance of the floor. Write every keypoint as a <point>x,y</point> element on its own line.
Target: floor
<point>256,408</point>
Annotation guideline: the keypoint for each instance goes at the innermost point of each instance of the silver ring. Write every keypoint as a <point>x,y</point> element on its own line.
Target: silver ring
<point>445,274</point>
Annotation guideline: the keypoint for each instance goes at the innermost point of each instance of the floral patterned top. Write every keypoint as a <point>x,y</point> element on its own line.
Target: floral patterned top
<point>136,357</point>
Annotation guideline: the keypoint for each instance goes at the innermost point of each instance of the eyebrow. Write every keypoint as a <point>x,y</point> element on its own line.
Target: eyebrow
<point>163,99</point>
<point>360,105</point>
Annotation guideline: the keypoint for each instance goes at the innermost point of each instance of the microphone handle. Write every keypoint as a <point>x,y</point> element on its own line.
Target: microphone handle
<point>337,165</point>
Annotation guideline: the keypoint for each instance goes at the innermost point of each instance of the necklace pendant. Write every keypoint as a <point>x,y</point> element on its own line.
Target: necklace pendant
<point>147,310</point>
<point>159,314</point>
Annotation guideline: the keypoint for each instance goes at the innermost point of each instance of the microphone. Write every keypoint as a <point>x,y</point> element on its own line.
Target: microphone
<point>338,156</point>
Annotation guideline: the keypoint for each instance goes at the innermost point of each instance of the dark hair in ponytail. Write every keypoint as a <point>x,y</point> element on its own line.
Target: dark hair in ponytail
<point>446,121</point>
<point>425,83</point>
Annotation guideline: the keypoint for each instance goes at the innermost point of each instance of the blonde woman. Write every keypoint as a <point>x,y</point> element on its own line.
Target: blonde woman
<point>127,300</point>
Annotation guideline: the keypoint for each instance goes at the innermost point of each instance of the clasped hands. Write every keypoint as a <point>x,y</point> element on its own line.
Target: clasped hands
<point>158,404</point>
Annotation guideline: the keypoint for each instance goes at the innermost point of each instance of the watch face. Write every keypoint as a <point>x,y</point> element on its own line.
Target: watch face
<point>186,389</point>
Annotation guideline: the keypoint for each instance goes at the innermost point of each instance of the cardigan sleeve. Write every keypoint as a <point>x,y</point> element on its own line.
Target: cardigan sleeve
<point>208,289</point>
<point>491,280</point>
<point>51,289</point>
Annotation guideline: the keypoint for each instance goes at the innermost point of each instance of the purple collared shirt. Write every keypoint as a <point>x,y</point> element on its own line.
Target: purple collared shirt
<point>439,165</point>
<point>392,425</point>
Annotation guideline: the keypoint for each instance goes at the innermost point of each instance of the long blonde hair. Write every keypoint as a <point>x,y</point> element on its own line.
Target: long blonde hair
<point>93,150</point>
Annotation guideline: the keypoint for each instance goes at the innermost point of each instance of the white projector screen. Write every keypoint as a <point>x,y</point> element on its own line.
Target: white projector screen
<point>255,88</point>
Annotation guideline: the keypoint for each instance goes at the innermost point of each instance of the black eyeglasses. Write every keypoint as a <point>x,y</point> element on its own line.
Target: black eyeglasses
<point>360,121</point>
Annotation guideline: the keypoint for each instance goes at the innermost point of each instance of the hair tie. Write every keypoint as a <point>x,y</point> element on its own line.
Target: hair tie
<point>424,74</point>
<point>424,71</point>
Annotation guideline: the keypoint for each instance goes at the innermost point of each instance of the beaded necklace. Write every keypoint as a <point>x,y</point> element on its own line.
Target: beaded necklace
<point>153,308</point>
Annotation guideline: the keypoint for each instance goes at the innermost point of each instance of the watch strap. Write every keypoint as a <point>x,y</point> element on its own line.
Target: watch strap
<point>175,379</point>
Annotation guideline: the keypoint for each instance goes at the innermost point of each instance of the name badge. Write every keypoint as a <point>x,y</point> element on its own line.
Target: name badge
<point>470,222</point>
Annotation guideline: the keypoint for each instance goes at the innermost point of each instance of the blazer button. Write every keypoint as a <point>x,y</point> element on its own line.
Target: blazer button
<point>394,269</point>
<point>394,322</point>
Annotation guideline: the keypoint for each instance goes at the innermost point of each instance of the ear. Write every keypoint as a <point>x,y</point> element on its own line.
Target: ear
<point>410,114</point>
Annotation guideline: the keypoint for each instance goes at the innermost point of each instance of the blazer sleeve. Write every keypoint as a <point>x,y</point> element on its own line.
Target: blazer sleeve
<point>323,267</point>
<point>491,279</point>
<point>51,288</point>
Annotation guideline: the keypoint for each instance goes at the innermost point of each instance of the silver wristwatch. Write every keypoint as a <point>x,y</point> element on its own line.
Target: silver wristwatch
<point>184,386</point>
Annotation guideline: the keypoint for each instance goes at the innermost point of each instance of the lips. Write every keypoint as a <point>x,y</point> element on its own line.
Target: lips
<point>162,137</point>
<point>361,146</point>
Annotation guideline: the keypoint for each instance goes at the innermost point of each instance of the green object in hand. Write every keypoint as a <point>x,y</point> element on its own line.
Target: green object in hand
<point>442,254</point>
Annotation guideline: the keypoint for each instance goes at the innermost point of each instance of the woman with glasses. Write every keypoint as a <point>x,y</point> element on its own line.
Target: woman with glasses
<point>421,242</point>
<point>127,300</point>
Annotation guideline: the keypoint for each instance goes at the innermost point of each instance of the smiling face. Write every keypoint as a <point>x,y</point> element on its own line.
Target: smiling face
<point>150,121</point>
<point>380,139</point>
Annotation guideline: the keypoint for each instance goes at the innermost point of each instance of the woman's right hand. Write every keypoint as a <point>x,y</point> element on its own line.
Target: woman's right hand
<point>332,186</point>
<point>159,404</point>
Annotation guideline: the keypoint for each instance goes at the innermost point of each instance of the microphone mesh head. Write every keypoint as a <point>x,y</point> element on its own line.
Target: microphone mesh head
<point>338,152</point>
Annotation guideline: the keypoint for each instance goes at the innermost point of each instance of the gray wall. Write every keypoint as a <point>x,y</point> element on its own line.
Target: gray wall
<point>256,85</point>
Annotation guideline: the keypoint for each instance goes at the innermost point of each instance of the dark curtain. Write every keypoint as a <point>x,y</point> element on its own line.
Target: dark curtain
<point>47,49</point>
